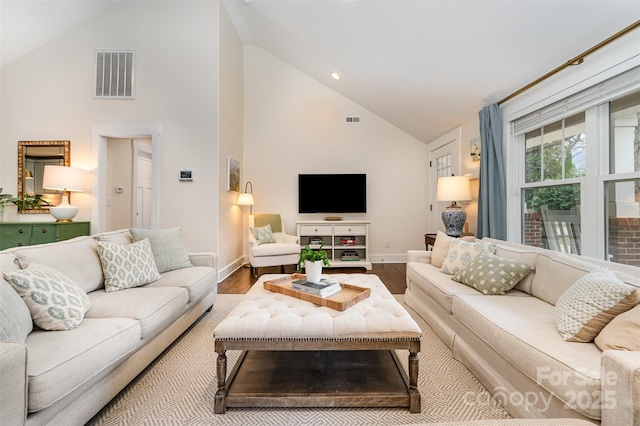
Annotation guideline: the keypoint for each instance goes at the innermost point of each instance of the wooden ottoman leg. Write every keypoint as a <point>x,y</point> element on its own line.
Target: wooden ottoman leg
<point>414,394</point>
<point>220,406</point>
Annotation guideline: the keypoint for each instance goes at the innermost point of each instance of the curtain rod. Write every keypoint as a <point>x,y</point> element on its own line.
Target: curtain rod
<point>575,61</point>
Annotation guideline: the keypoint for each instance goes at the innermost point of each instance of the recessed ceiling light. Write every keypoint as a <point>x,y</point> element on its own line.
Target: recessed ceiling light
<point>335,76</point>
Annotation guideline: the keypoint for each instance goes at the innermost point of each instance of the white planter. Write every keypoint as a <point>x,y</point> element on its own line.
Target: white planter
<point>313,270</point>
<point>10,213</point>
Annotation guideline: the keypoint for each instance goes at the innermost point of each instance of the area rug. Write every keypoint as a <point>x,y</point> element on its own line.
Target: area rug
<point>178,388</point>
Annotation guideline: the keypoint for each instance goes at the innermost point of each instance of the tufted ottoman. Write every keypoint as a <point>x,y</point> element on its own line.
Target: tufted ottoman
<point>297,354</point>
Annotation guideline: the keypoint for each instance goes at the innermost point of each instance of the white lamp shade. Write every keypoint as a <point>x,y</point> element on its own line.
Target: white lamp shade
<point>453,188</point>
<point>245,199</point>
<point>61,178</point>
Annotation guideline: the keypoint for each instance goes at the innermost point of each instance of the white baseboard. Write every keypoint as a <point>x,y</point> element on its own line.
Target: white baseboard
<point>388,258</point>
<point>230,269</point>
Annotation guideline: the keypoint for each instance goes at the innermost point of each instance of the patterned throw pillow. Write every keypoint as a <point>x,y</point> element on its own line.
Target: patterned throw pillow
<point>54,300</point>
<point>263,235</point>
<point>586,307</point>
<point>127,266</point>
<point>491,274</point>
<point>167,247</point>
<point>461,253</point>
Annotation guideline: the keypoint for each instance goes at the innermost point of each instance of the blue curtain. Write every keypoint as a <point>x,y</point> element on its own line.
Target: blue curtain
<point>492,198</point>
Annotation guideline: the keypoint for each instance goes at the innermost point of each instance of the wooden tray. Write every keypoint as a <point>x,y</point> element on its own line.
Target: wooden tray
<point>346,298</point>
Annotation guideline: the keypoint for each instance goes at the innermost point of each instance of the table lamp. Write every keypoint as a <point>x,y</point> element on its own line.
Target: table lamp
<point>453,188</point>
<point>66,179</point>
<point>246,198</point>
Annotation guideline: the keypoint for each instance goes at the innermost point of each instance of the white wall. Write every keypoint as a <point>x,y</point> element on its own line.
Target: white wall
<point>231,228</point>
<point>48,94</point>
<point>119,173</point>
<point>294,124</point>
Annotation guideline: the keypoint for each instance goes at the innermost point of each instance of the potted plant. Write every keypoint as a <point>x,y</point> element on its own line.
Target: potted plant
<point>30,202</point>
<point>313,260</point>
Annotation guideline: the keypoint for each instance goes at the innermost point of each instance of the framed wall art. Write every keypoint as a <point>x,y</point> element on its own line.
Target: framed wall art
<point>233,175</point>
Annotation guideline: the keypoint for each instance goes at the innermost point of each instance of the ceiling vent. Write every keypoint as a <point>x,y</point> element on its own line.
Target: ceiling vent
<point>114,74</point>
<point>352,119</point>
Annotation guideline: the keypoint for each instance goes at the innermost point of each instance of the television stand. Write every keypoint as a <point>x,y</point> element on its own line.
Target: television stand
<point>346,242</point>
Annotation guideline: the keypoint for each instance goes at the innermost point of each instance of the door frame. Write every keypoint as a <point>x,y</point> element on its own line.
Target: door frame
<point>100,133</point>
<point>453,137</point>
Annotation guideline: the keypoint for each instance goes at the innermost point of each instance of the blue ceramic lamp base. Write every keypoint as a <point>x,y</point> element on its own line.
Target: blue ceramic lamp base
<point>454,219</point>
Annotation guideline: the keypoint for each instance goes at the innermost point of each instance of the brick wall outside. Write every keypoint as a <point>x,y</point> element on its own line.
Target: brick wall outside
<point>624,240</point>
<point>533,229</point>
<point>624,237</point>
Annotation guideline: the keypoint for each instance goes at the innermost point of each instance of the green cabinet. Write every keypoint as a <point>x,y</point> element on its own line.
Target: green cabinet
<point>17,234</point>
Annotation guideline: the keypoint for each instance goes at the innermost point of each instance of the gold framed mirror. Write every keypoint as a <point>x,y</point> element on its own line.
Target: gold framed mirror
<point>32,157</point>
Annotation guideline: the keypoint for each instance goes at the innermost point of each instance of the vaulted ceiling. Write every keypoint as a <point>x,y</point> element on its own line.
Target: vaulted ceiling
<point>426,66</point>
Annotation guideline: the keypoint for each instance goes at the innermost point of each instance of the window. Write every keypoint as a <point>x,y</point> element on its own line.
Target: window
<point>553,154</point>
<point>622,191</point>
<point>578,172</point>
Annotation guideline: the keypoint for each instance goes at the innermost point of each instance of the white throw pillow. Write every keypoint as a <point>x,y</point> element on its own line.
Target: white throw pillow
<point>127,266</point>
<point>54,300</point>
<point>461,253</point>
<point>440,249</point>
<point>586,307</point>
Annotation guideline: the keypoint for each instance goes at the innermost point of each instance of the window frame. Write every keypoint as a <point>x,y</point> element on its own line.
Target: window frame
<point>597,172</point>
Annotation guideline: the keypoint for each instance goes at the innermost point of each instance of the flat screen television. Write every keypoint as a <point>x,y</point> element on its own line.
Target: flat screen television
<point>332,193</point>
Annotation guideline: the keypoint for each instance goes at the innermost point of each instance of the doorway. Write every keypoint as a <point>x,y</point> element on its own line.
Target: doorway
<point>101,134</point>
<point>444,160</point>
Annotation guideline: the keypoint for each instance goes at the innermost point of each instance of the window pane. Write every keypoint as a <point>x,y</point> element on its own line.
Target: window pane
<point>552,218</point>
<point>574,146</point>
<point>552,151</point>
<point>556,151</point>
<point>625,134</point>
<point>533,156</point>
<point>623,221</point>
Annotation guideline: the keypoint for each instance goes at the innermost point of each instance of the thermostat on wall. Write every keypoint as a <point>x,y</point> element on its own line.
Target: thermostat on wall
<point>186,174</point>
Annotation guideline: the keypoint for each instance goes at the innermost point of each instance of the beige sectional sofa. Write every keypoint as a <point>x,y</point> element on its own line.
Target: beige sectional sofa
<point>511,344</point>
<point>66,377</point>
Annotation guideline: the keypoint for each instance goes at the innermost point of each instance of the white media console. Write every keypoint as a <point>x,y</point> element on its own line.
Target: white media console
<point>345,241</point>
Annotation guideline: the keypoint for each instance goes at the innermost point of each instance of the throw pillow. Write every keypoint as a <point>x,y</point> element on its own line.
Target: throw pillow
<point>491,274</point>
<point>586,307</point>
<point>54,300</point>
<point>127,266</point>
<point>440,249</point>
<point>461,253</point>
<point>263,235</point>
<point>622,333</point>
<point>15,318</point>
<point>167,247</point>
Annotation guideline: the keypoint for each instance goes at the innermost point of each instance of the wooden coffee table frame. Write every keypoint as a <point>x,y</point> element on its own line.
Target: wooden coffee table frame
<point>409,397</point>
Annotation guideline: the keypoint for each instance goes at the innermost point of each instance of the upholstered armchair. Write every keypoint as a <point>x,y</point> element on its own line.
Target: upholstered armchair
<point>273,247</point>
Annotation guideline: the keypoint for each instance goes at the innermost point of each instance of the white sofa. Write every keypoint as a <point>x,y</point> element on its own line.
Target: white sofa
<point>66,377</point>
<point>511,344</point>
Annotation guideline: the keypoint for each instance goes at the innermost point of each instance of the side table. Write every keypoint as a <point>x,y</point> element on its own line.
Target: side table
<point>429,241</point>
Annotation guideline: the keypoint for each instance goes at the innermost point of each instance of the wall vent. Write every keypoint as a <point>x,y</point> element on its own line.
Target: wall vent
<point>352,119</point>
<point>114,74</point>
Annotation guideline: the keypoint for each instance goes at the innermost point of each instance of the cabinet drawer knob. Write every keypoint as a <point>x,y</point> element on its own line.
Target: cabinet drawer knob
<point>20,231</point>
<point>349,229</point>
<point>44,230</point>
<point>19,244</point>
<point>316,230</point>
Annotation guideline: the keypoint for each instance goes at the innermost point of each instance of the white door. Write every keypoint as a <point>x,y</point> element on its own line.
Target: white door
<point>142,181</point>
<point>444,160</point>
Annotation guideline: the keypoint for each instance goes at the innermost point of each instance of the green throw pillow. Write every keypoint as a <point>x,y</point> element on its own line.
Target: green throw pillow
<point>491,274</point>
<point>263,235</point>
<point>127,266</point>
<point>586,307</point>
<point>167,247</point>
<point>54,300</point>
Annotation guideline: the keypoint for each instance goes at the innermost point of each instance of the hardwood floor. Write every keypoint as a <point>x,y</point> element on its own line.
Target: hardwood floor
<point>391,274</point>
